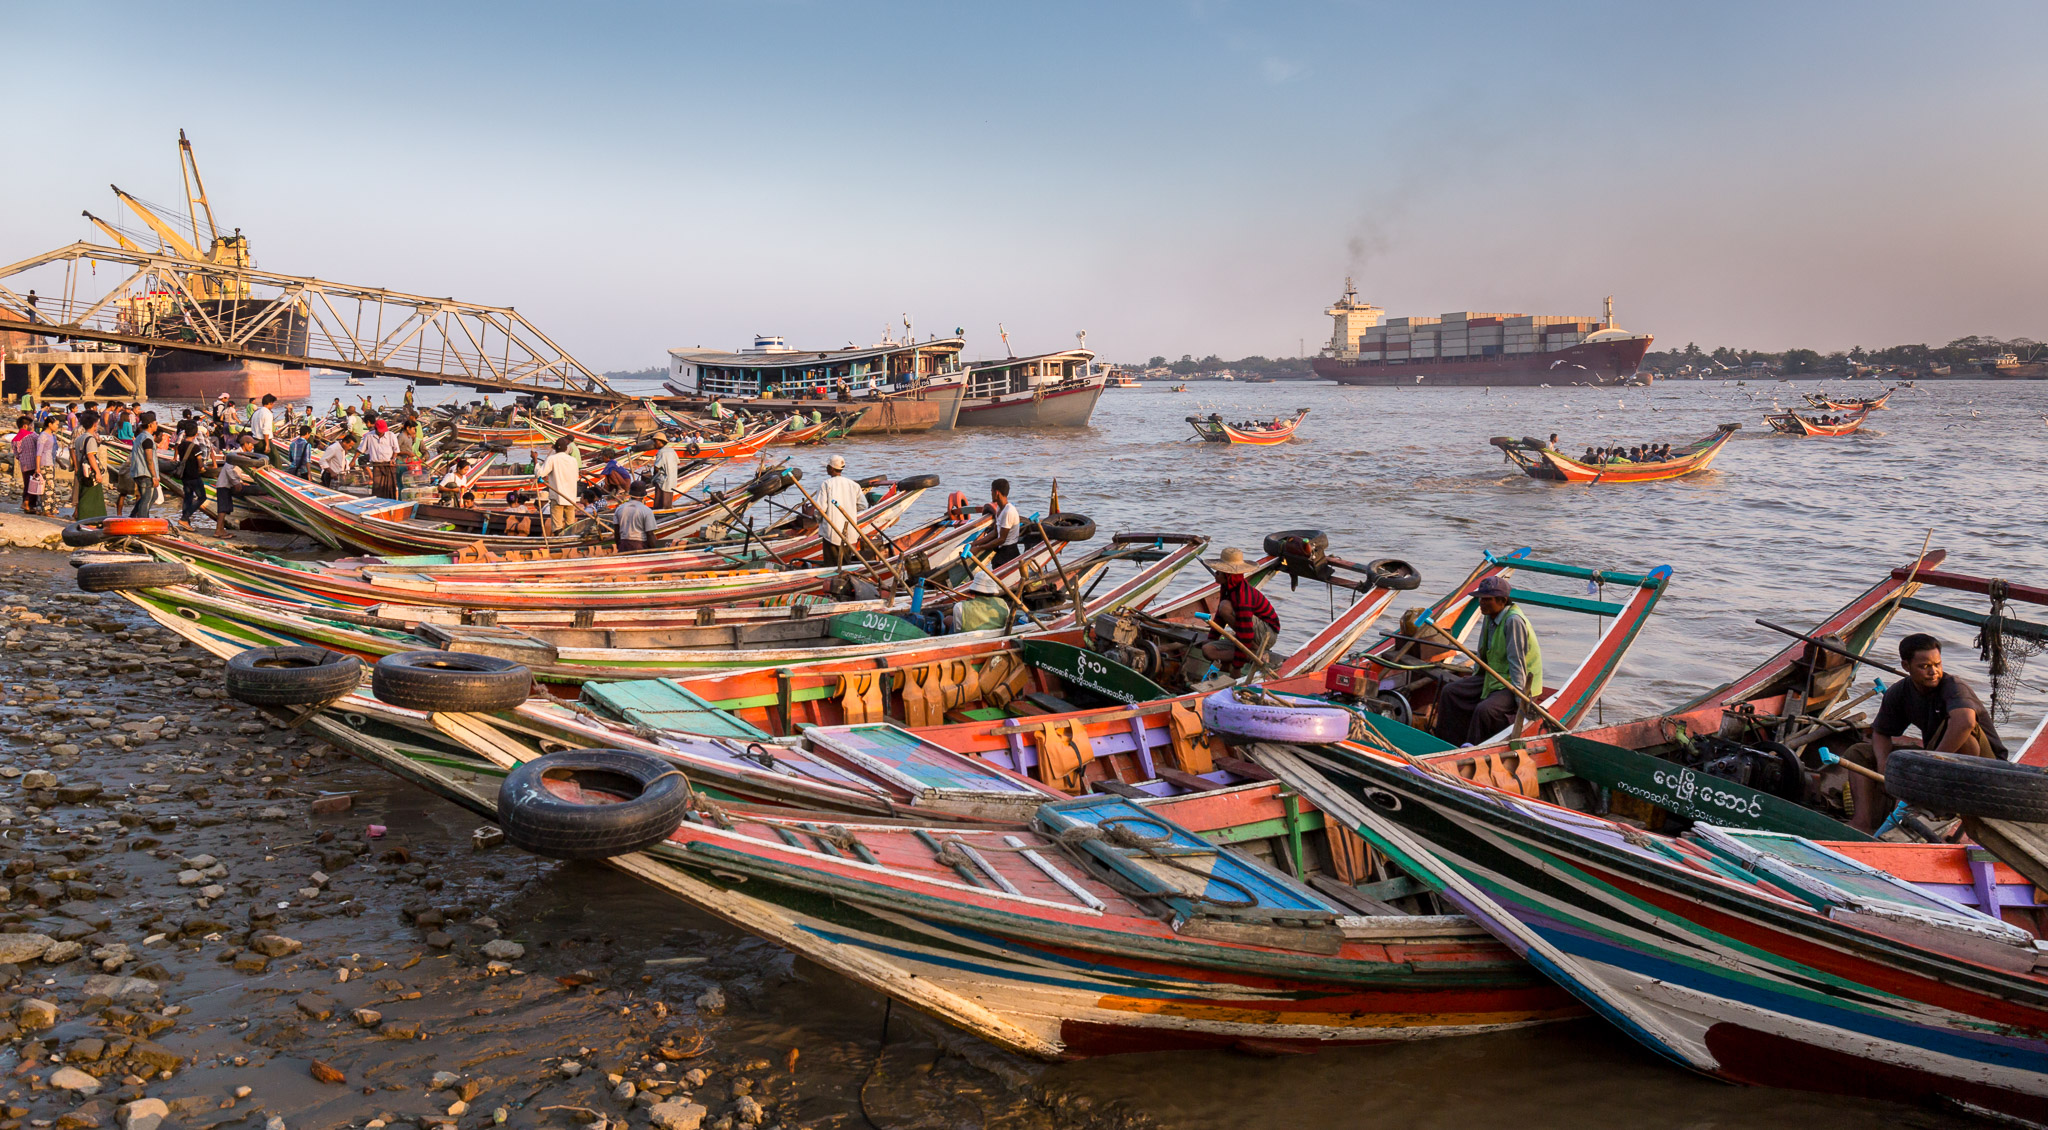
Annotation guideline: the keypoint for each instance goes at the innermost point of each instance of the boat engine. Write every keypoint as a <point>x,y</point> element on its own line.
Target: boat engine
<point>1767,767</point>
<point>1152,647</point>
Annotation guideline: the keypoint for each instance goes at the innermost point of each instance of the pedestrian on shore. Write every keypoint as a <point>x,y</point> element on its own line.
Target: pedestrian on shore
<point>142,470</point>
<point>40,466</point>
<point>336,461</point>
<point>263,424</point>
<point>231,483</point>
<point>191,459</point>
<point>88,470</point>
<point>301,452</point>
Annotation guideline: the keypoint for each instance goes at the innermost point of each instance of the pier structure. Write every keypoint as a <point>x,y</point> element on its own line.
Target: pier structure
<point>171,305</point>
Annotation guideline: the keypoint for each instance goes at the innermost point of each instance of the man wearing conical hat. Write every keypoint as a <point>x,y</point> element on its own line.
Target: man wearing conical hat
<point>1242,610</point>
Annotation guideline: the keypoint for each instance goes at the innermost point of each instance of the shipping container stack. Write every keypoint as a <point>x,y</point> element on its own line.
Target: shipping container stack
<point>1472,334</point>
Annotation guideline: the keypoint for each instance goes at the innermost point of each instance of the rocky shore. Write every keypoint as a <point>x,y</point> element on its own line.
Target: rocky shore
<point>207,919</point>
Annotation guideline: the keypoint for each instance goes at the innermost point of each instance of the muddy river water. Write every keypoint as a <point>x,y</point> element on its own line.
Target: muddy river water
<point>618,995</point>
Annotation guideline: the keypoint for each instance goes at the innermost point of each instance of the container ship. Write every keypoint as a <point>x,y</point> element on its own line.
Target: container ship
<point>1473,348</point>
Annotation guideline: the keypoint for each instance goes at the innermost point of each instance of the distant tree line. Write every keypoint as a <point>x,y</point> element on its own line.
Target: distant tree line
<point>655,374</point>
<point>1961,351</point>
<point>1189,365</point>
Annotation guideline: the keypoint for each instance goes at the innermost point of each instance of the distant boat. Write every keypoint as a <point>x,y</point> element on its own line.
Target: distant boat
<point>354,381</point>
<point>1178,388</point>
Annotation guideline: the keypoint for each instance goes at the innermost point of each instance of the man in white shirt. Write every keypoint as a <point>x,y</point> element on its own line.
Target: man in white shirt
<point>263,424</point>
<point>667,472</point>
<point>561,475</point>
<point>380,447</point>
<point>335,461</point>
<point>999,545</point>
<point>841,499</point>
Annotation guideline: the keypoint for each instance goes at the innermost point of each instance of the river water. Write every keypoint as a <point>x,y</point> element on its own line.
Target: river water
<point>1781,528</point>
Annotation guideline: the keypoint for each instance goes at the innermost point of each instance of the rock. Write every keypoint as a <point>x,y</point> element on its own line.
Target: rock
<point>273,813</point>
<point>367,1017</point>
<point>20,949</point>
<point>143,1114</point>
<point>191,877</point>
<point>155,1056</point>
<point>696,1076</point>
<point>569,1068</point>
<point>711,1000</point>
<point>624,1092</point>
<point>33,1015</point>
<point>38,779</point>
<point>275,945</point>
<point>442,1080</point>
<point>88,1117</point>
<point>116,988</point>
<point>314,1007</point>
<point>72,1079</point>
<point>201,862</point>
<point>88,1050</point>
<point>504,949</point>
<point>274,1123</point>
<point>326,1073</point>
<point>329,805</point>
<point>61,952</point>
<point>80,793</point>
<point>249,961</point>
<point>679,1114</point>
<point>486,837</point>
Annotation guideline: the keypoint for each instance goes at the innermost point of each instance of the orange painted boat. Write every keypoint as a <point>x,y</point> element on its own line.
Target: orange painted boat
<point>1793,424</point>
<point>1542,461</point>
<point>1215,429</point>
<point>1868,404</point>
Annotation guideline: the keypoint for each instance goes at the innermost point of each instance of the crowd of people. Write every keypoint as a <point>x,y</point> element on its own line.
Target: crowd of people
<point>1639,453</point>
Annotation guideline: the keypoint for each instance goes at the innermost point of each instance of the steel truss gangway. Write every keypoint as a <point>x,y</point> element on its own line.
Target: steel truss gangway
<point>160,301</point>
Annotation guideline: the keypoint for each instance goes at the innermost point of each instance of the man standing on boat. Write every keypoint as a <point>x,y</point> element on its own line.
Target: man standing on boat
<point>1480,705</point>
<point>1000,542</point>
<point>1946,711</point>
<point>561,474</point>
<point>667,472</point>
<point>841,499</point>
<point>380,447</point>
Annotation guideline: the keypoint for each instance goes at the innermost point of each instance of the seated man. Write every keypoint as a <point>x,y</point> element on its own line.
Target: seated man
<point>1241,610</point>
<point>1948,714</point>
<point>634,521</point>
<point>1478,706</point>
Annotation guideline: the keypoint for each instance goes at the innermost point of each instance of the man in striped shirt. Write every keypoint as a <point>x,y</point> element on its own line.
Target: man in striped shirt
<point>1244,609</point>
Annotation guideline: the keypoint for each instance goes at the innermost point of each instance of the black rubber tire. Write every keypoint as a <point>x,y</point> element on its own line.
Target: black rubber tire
<point>1393,573</point>
<point>543,823</point>
<point>917,482</point>
<point>120,576</point>
<point>768,483</point>
<point>292,676</point>
<point>247,462</point>
<point>78,537</point>
<point>497,448</point>
<point>1968,786</point>
<point>1275,542</point>
<point>1068,527</point>
<point>450,681</point>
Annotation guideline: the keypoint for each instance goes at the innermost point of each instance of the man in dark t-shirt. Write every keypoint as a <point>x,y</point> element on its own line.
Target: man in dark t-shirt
<point>1943,708</point>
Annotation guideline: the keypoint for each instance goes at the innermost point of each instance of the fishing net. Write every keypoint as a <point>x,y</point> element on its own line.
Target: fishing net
<point>2006,652</point>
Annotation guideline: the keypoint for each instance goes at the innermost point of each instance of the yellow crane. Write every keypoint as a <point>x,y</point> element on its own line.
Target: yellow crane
<point>121,241</point>
<point>222,250</point>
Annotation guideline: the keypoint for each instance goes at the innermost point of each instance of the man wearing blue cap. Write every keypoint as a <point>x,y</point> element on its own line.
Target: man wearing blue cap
<point>1478,706</point>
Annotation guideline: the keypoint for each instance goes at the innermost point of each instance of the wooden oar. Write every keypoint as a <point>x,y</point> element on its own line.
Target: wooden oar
<point>825,518</point>
<point>1826,646</point>
<point>1512,689</point>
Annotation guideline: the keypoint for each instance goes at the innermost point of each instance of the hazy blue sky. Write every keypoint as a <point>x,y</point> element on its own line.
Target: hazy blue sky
<point>1171,178</point>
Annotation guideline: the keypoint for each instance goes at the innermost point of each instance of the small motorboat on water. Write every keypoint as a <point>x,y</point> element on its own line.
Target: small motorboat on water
<point>1258,433</point>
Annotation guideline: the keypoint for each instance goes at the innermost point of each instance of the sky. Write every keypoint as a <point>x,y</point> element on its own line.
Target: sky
<point>1170,178</point>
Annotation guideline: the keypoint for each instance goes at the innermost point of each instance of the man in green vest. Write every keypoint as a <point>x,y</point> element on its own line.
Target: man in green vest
<point>1478,706</point>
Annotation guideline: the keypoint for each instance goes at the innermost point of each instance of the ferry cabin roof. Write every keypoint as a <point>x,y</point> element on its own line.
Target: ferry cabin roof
<point>756,373</point>
<point>1016,374</point>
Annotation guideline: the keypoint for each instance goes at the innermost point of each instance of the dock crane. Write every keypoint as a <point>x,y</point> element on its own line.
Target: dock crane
<point>222,250</point>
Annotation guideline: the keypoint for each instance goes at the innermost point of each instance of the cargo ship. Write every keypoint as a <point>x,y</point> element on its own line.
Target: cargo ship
<point>1467,348</point>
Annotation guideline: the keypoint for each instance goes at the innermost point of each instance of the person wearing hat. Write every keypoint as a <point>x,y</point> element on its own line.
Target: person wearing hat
<point>380,448</point>
<point>841,500</point>
<point>1240,608</point>
<point>1478,706</point>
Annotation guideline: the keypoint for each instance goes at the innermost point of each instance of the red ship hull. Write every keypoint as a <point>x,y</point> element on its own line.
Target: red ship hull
<point>1593,363</point>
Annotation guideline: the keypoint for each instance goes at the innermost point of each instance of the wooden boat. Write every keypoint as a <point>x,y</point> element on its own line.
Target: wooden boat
<point>1214,429</point>
<point>831,427</point>
<point>224,624</point>
<point>612,582</point>
<point>409,526</point>
<point>603,444</point>
<point>1178,388</point>
<point>1754,957</point>
<point>1866,404</point>
<point>1541,461</point>
<point>523,434</point>
<point>1053,951</point>
<point>355,580</point>
<point>1793,424</point>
